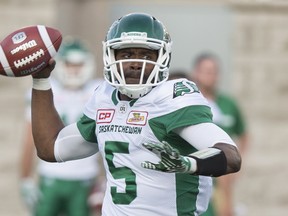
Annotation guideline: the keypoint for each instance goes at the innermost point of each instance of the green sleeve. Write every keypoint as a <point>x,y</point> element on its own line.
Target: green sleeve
<point>87,128</point>
<point>186,116</point>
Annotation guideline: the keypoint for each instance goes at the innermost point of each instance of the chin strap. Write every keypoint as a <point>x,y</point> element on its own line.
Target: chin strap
<point>210,162</point>
<point>134,92</point>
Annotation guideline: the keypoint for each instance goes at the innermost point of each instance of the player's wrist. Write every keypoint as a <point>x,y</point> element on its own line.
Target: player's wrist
<point>191,164</point>
<point>210,162</point>
<point>41,84</point>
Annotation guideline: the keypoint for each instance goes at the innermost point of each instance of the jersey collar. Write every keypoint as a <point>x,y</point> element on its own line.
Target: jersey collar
<point>115,98</point>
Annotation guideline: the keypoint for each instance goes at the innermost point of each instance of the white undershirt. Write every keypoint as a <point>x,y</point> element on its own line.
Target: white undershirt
<point>70,145</point>
<point>204,135</point>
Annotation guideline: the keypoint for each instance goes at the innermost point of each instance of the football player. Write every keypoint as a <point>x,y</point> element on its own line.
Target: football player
<point>156,137</point>
<point>63,188</point>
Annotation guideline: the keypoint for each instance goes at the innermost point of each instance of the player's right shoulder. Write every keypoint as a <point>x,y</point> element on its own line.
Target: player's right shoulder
<point>94,84</point>
<point>101,94</point>
<point>101,97</point>
<point>103,88</point>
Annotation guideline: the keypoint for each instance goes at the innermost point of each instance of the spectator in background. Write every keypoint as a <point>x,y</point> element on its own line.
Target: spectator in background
<point>227,115</point>
<point>63,188</point>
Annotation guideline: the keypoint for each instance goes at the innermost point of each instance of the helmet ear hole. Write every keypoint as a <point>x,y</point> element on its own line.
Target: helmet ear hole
<point>137,30</point>
<point>75,63</point>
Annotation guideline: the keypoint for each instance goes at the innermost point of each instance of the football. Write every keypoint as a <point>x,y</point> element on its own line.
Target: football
<point>28,50</point>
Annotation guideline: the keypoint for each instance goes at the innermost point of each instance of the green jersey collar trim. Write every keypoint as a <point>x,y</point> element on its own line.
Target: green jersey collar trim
<point>115,99</point>
<point>132,102</point>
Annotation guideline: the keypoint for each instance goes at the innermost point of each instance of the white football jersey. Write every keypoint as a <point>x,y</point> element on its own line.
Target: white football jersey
<point>120,128</point>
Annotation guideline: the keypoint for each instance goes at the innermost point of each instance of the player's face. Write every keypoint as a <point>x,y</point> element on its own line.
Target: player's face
<point>133,69</point>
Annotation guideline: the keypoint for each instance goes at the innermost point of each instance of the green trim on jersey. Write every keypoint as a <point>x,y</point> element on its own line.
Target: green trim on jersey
<point>186,185</point>
<point>115,99</point>
<point>162,127</point>
<point>186,188</point>
<point>132,102</point>
<point>87,127</point>
<point>186,116</point>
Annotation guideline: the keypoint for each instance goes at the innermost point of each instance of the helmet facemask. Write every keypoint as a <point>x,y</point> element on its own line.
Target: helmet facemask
<point>113,69</point>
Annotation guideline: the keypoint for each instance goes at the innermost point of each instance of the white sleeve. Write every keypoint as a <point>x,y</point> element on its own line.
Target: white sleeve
<point>204,135</point>
<point>70,145</point>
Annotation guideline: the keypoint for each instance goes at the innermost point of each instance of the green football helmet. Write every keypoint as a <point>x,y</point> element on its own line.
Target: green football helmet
<point>75,63</point>
<point>137,30</point>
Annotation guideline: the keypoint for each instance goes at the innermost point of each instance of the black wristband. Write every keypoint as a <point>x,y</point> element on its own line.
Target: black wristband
<point>214,166</point>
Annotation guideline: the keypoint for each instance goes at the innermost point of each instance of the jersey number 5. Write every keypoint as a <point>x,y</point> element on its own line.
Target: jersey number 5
<point>112,147</point>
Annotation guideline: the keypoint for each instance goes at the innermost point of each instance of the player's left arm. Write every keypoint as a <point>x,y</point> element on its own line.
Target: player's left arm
<point>207,137</point>
<point>217,155</point>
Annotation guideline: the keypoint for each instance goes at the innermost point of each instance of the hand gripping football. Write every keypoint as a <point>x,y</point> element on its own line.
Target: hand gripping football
<point>28,50</point>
